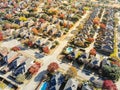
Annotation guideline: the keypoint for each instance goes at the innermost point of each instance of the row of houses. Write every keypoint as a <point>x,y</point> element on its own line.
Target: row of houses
<point>17,64</point>
<point>86,35</point>
<point>58,82</point>
<point>37,27</point>
<point>104,42</point>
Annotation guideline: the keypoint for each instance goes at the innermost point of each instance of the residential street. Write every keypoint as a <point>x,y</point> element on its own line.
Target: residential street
<point>46,43</point>
<point>53,57</point>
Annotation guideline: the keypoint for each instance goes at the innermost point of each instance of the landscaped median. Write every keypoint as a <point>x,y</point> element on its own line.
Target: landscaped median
<point>115,52</point>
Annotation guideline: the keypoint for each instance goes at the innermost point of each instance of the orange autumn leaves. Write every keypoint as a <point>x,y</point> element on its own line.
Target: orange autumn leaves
<point>96,21</point>
<point>93,52</point>
<point>35,31</point>
<point>52,67</point>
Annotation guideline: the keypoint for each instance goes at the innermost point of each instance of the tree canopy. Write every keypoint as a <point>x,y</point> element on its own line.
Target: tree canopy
<point>109,85</point>
<point>20,78</point>
<point>112,72</point>
<point>72,72</point>
<point>52,67</point>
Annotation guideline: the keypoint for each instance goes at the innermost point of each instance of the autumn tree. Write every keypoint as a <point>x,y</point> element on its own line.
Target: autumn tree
<point>93,52</point>
<point>109,85</point>
<point>1,36</point>
<point>96,20</point>
<point>102,25</point>
<point>52,67</point>
<point>81,26</point>
<point>71,72</point>
<point>116,62</point>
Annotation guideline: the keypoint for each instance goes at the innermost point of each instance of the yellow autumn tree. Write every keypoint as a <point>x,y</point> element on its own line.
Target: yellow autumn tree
<point>71,72</point>
<point>81,26</point>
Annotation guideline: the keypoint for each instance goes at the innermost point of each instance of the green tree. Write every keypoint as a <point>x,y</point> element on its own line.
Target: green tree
<point>20,78</point>
<point>116,20</point>
<point>112,72</point>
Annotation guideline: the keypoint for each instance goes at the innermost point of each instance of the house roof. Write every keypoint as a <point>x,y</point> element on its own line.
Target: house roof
<point>56,81</point>
<point>86,87</point>
<point>71,84</point>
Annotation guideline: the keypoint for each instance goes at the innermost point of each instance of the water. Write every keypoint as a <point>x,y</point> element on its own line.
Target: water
<point>69,49</point>
<point>44,86</point>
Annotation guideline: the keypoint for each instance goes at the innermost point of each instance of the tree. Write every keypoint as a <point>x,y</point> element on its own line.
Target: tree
<point>62,16</point>
<point>20,78</point>
<point>116,62</point>
<point>86,8</point>
<point>1,36</point>
<point>46,49</point>
<point>2,85</point>
<point>23,19</point>
<point>102,25</point>
<point>35,31</point>
<point>71,72</point>
<point>96,20</point>
<point>75,18</point>
<point>52,67</point>
<point>52,11</point>
<point>1,27</point>
<point>109,85</point>
<point>116,20</point>
<point>16,26</point>
<point>81,26</point>
<point>7,25</point>
<point>8,16</point>
<point>56,42</point>
<point>93,52</point>
<point>90,39</point>
<point>112,72</point>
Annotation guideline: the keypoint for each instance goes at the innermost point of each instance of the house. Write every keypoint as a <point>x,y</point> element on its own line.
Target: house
<point>71,84</point>
<point>14,64</point>
<point>107,48</point>
<point>98,83</point>
<point>86,86</point>
<point>56,81</point>
<point>3,58</point>
<point>82,58</point>
<point>19,70</point>
<point>8,57</point>
<point>94,62</point>
<point>105,61</point>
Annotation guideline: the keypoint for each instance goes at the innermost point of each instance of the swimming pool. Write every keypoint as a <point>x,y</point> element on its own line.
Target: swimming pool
<point>69,49</point>
<point>44,86</point>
